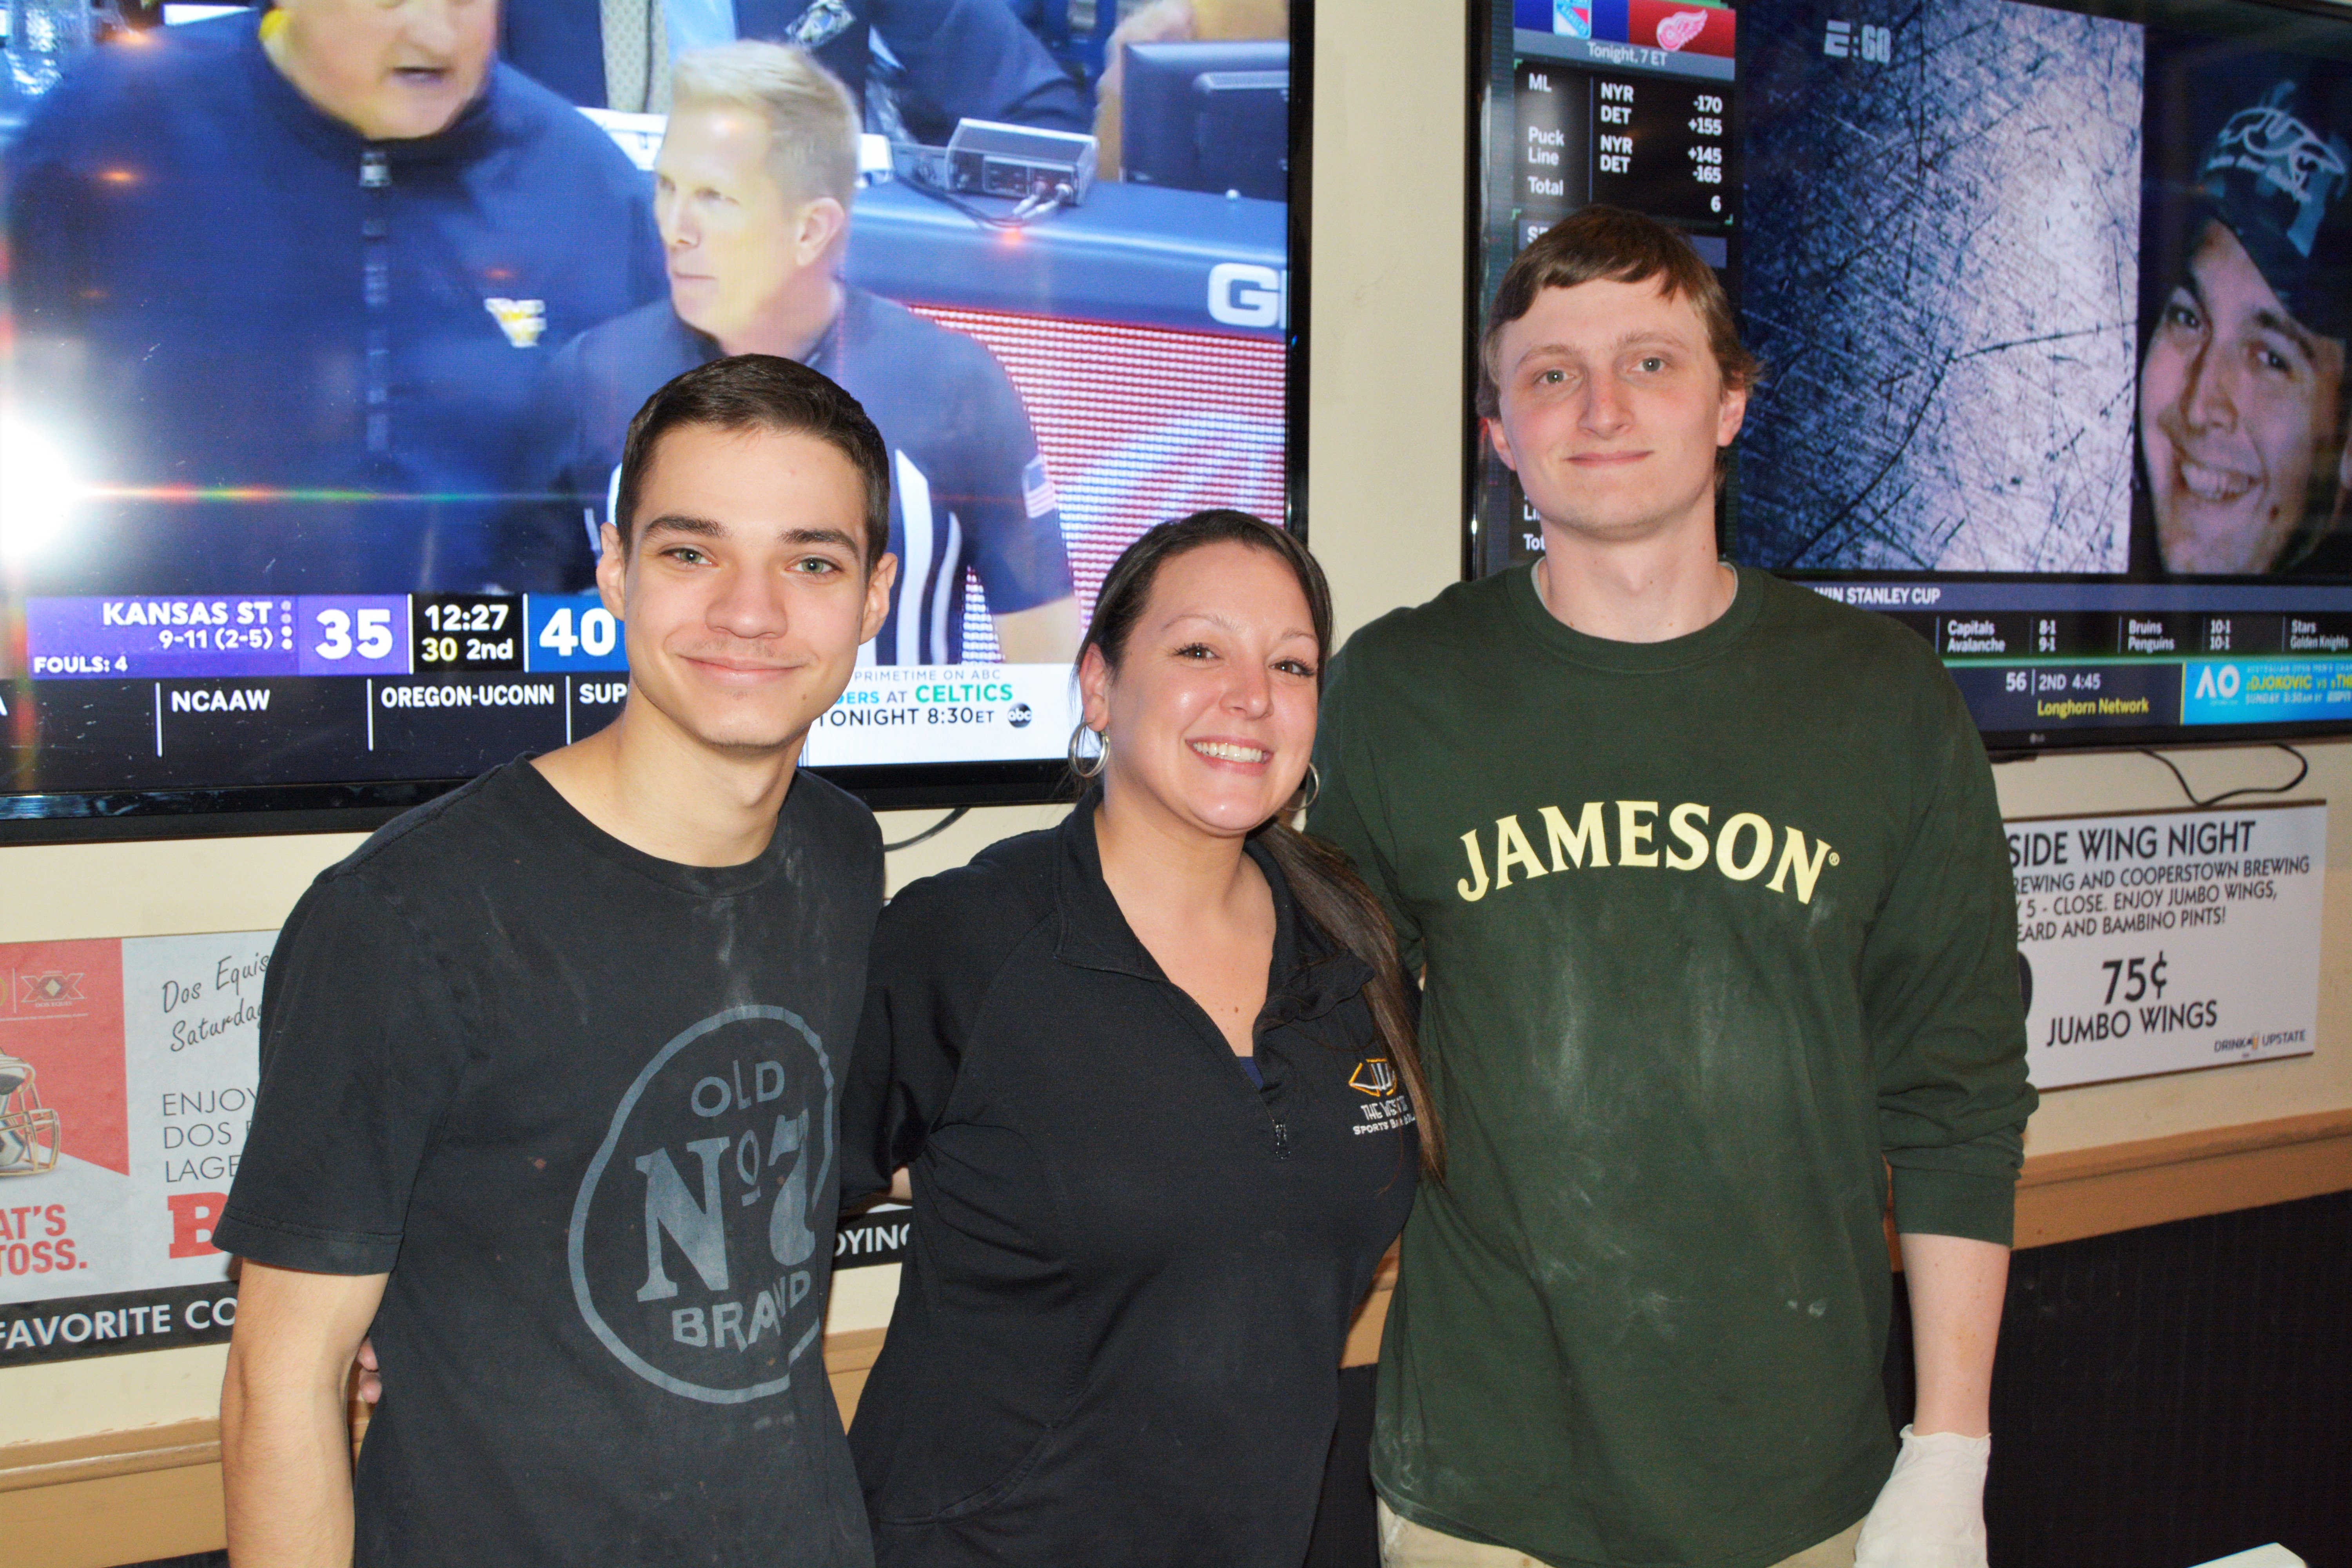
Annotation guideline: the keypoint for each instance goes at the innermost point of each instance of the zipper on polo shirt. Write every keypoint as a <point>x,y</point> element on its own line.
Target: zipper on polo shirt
<point>375,295</point>
<point>1281,1128</point>
<point>1224,1048</point>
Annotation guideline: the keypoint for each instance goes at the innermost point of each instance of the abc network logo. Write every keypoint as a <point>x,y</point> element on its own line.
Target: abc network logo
<point>696,1223</point>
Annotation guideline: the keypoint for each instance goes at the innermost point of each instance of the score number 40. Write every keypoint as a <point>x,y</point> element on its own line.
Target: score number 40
<point>597,634</point>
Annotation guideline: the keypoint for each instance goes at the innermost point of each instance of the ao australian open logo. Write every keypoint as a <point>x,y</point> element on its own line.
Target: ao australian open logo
<point>696,1236</point>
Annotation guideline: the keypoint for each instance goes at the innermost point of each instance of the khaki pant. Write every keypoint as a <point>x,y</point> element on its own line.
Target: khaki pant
<point>1404,1544</point>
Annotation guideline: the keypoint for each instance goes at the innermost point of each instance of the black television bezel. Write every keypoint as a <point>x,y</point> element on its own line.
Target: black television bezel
<point>34,816</point>
<point>2000,744</point>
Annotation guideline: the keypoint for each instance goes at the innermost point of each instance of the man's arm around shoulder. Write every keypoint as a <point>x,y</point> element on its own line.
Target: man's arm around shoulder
<point>286,1444</point>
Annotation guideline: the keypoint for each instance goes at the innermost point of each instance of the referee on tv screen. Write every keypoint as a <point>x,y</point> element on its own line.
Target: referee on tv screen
<point>753,191</point>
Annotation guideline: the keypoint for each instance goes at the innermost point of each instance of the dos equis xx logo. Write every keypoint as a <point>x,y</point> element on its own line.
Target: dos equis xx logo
<point>696,1223</point>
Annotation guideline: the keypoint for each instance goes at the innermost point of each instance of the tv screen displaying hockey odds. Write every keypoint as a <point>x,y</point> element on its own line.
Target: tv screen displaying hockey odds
<point>315,371</point>
<point>2053,308</point>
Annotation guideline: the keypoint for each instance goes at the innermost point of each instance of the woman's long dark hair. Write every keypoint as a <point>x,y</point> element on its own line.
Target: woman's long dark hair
<point>1321,879</point>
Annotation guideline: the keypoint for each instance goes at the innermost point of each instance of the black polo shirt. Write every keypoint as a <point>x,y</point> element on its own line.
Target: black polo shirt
<point>1118,1331</point>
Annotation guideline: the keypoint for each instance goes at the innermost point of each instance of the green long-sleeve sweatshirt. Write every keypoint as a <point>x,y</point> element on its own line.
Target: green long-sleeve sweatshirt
<point>1712,928</point>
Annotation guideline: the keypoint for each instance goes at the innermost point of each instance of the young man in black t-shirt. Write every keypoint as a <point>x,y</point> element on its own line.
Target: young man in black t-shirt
<point>550,1072</point>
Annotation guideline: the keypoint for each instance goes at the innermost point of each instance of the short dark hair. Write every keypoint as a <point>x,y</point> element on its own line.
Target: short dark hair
<point>759,392</point>
<point>1605,242</point>
<point>1321,879</point>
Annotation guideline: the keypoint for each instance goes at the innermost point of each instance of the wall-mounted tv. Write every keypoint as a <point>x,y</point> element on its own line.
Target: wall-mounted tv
<point>2054,302</point>
<point>320,341</point>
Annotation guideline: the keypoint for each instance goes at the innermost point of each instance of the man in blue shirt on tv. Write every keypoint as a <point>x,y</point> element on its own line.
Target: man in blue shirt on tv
<point>317,253</point>
<point>752,193</point>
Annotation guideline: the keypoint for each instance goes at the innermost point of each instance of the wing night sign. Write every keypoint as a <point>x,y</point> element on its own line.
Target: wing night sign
<point>2162,941</point>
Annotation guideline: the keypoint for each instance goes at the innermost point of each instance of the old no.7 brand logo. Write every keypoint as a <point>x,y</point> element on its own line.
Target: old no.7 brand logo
<point>698,1218</point>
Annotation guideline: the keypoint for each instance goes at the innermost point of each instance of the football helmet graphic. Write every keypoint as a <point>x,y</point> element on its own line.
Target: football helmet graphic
<point>29,1133</point>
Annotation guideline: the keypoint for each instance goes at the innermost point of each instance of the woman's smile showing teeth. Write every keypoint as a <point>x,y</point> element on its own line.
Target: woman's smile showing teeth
<point>1231,752</point>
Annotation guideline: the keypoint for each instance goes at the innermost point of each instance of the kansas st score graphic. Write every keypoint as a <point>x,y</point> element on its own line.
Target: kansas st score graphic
<point>199,691</point>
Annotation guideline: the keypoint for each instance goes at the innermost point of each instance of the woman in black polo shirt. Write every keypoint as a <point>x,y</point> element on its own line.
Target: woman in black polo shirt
<point>1153,1073</point>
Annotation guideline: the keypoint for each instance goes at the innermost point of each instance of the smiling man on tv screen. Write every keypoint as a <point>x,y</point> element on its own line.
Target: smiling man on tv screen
<point>2241,390</point>
<point>753,190</point>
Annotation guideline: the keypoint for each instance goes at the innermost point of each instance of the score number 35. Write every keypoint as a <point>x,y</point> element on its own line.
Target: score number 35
<point>374,640</point>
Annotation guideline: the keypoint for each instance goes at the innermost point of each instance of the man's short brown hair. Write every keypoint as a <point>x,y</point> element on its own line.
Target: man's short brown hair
<point>758,392</point>
<point>1603,242</point>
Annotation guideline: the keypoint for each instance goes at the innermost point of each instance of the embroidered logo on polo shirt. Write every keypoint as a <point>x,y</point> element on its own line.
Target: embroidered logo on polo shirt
<point>522,321</point>
<point>1375,1077</point>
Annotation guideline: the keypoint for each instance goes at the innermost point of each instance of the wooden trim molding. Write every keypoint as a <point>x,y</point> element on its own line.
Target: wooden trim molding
<point>105,1454</point>
<point>849,1356</point>
<point>2123,1186</point>
<point>135,1514</point>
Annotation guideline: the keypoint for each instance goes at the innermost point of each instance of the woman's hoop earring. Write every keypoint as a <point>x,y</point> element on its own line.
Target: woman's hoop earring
<point>1314,788</point>
<point>1100,759</point>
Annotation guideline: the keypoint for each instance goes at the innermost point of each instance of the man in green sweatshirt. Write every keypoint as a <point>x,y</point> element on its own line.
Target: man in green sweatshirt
<point>1709,886</point>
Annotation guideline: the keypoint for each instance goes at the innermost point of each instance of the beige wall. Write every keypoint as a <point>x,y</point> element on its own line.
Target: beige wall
<point>1384,493</point>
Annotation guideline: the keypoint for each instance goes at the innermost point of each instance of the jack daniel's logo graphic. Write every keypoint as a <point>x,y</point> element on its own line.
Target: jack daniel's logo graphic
<point>697,1222</point>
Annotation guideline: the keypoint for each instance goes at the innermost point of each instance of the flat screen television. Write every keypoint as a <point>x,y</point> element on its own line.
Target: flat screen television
<point>309,411</point>
<point>2053,302</point>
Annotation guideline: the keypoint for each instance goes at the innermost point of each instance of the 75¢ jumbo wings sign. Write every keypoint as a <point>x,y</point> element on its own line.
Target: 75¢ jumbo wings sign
<point>2162,941</point>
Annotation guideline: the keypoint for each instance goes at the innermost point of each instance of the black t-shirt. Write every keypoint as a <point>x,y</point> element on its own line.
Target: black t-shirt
<point>580,1103</point>
<point>1119,1331</point>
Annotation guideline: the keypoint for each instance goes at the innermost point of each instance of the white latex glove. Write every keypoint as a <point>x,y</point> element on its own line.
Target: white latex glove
<point>1930,1512</point>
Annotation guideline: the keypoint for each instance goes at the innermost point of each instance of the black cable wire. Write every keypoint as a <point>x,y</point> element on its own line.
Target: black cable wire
<point>2302,774</point>
<point>933,831</point>
<point>923,186</point>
